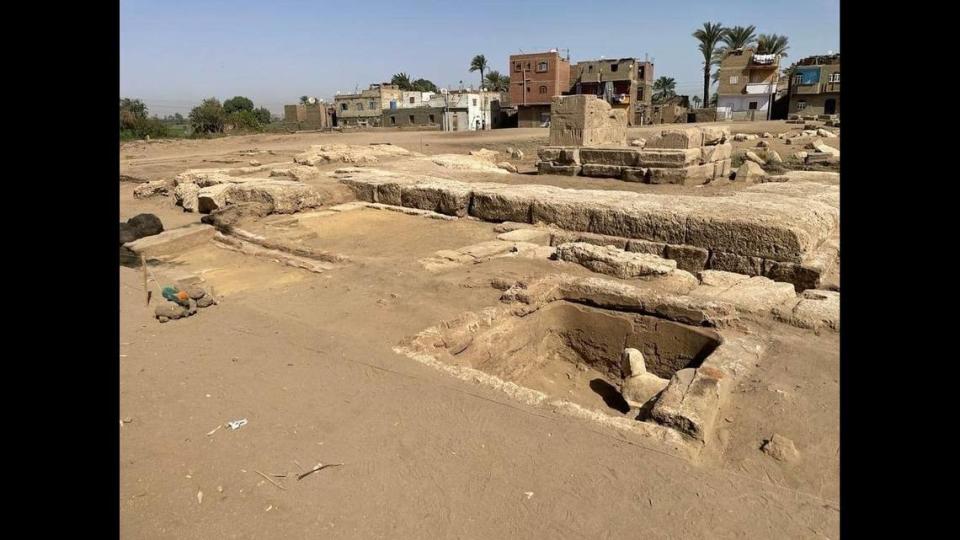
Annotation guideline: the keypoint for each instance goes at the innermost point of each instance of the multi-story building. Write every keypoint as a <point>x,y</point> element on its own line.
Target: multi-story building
<point>626,83</point>
<point>748,84</point>
<point>815,85</point>
<point>451,111</point>
<point>411,99</point>
<point>366,107</point>
<point>535,79</point>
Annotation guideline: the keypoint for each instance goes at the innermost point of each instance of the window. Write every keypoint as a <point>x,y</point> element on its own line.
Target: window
<point>589,68</point>
<point>474,102</point>
<point>412,121</point>
<point>798,79</point>
<point>614,67</point>
<point>528,65</point>
<point>343,106</point>
<point>752,105</point>
<point>640,71</point>
<point>413,100</point>
<point>373,105</point>
<point>835,77</point>
<point>543,89</point>
<point>393,120</point>
<point>432,120</point>
<point>734,79</point>
<point>640,93</point>
<point>801,105</point>
<point>359,106</point>
<point>519,67</point>
<point>541,67</point>
<point>528,89</point>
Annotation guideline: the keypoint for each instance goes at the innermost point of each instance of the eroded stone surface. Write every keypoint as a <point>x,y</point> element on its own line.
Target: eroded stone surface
<point>613,261</point>
<point>813,309</point>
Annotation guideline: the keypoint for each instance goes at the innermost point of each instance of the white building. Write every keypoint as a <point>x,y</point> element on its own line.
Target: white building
<point>465,111</point>
<point>409,99</point>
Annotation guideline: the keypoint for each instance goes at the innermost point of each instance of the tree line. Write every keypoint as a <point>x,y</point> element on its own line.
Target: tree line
<point>209,117</point>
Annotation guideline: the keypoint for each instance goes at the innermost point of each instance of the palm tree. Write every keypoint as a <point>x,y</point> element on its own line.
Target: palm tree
<point>402,80</point>
<point>497,82</point>
<point>772,44</point>
<point>736,37</point>
<point>479,63</point>
<point>304,100</point>
<point>708,36</point>
<point>696,101</point>
<point>663,88</point>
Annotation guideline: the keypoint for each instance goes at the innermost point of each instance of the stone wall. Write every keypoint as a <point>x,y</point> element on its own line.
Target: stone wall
<point>779,235</point>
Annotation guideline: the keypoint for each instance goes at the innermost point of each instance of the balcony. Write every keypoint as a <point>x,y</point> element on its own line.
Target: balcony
<point>806,89</point>
<point>759,88</point>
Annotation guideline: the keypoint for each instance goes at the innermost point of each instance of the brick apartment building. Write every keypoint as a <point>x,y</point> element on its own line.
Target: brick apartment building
<point>627,81</point>
<point>815,85</point>
<point>535,79</point>
<point>748,84</point>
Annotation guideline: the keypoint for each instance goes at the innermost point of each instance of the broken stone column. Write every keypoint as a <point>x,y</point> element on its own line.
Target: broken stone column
<point>639,386</point>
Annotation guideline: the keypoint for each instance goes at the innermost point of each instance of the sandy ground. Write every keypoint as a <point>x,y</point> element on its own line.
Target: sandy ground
<point>307,359</point>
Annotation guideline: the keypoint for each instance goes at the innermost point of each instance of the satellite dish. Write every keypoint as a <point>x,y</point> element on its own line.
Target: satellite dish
<point>443,91</point>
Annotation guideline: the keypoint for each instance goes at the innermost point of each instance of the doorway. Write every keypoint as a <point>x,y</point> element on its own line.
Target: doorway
<point>830,106</point>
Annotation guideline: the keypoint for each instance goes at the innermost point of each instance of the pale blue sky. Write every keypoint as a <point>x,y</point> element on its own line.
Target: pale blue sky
<point>173,53</point>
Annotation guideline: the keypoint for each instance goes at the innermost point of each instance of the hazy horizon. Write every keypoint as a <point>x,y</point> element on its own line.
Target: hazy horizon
<point>173,54</point>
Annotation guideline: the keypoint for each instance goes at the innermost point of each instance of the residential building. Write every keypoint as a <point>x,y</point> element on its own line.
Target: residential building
<point>419,117</point>
<point>626,83</point>
<point>815,85</point>
<point>366,107</point>
<point>411,99</point>
<point>748,84</point>
<point>311,115</point>
<point>451,111</point>
<point>535,79</point>
<point>673,110</point>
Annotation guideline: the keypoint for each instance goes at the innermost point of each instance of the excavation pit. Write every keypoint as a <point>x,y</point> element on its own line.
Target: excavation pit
<point>572,352</point>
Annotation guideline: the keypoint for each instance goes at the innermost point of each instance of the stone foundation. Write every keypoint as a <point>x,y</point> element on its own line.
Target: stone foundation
<point>780,235</point>
<point>687,156</point>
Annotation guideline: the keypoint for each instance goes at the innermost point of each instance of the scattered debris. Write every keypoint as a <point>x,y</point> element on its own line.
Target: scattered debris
<point>780,448</point>
<point>199,497</point>
<point>269,479</point>
<point>317,467</point>
<point>214,430</point>
<point>237,424</point>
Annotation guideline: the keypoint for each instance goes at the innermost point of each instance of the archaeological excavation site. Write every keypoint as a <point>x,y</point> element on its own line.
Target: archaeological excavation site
<point>640,319</point>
